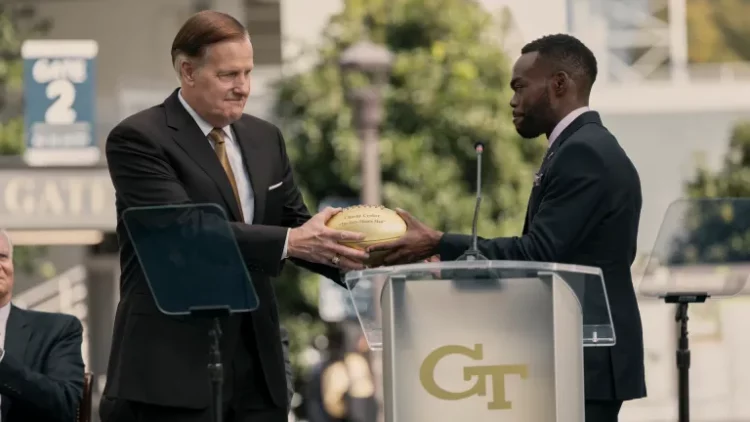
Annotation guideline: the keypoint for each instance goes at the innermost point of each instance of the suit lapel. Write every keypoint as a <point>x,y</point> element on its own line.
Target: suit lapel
<point>18,334</point>
<point>4,408</point>
<point>256,167</point>
<point>537,188</point>
<point>191,139</point>
<point>527,217</point>
<point>537,191</point>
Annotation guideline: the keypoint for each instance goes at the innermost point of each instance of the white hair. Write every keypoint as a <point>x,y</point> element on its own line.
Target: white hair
<point>178,61</point>
<point>5,234</point>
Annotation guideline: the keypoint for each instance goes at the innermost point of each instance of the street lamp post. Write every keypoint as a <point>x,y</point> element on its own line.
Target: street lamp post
<point>373,61</point>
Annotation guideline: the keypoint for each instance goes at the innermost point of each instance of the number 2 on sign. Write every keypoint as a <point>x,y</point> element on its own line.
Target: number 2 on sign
<point>61,111</point>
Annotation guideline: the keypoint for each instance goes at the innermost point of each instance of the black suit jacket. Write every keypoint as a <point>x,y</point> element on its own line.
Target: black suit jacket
<point>160,156</point>
<point>41,374</point>
<point>584,209</point>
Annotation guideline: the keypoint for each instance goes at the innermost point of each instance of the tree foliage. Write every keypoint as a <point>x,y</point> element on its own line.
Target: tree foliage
<point>718,30</point>
<point>718,230</point>
<point>17,23</point>
<point>30,260</point>
<point>448,89</point>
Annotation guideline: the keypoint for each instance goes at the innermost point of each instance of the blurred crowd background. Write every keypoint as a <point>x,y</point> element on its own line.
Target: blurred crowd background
<point>674,87</point>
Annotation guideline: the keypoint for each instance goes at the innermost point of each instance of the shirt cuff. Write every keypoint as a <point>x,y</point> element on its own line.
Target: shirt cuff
<point>284,252</point>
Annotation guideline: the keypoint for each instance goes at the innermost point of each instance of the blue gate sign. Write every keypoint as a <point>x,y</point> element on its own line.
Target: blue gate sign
<point>59,78</point>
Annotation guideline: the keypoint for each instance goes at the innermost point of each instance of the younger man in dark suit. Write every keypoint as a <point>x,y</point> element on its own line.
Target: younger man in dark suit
<point>41,368</point>
<point>584,209</point>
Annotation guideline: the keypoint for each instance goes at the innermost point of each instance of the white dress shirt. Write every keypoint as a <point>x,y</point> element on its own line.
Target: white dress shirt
<point>242,179</point>
<point>4,312</point>
<point>565,122</point>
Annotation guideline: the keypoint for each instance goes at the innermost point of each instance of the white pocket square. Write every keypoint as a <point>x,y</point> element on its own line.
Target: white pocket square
<point>272,187</point>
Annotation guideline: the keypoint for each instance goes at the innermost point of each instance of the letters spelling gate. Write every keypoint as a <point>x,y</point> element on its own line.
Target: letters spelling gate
<point>57,199</point>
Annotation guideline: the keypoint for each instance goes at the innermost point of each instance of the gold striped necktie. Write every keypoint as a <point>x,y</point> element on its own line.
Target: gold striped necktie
<point>220,147</point>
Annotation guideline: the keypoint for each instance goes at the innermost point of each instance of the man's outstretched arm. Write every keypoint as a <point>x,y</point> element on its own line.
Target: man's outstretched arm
<point>570,208</point>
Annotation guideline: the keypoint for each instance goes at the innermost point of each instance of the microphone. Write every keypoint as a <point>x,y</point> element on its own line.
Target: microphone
<point>472,254</point>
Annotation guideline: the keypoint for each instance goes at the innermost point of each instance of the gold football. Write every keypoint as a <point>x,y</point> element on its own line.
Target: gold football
<point>378,223</point>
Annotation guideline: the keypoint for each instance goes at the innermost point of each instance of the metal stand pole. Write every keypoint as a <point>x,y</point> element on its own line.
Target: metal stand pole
<point>216,372</point>
<point>682,356</point>
<point>683,363</point>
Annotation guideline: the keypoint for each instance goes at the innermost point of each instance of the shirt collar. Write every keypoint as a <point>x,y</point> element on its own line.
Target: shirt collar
<point>565,122</point>
<point>204,126</point>
<point>4,312</point>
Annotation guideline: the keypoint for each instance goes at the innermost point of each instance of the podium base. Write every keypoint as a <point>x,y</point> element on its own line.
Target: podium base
<point>215,367</point>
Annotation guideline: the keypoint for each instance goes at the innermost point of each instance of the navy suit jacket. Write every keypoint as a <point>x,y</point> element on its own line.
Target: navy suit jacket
<point>584,209</point>
<point>41,372</point>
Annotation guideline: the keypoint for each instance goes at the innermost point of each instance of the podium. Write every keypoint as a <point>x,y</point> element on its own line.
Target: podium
<point>483,341</point>
<point>702,251</point>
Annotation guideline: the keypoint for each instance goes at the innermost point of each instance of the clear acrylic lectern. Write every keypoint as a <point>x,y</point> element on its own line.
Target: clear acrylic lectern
<point>702,251</point>
<point>483,341</point>
<point>193,267</point>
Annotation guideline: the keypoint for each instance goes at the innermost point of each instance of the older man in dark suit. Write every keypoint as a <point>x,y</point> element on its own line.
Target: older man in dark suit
<point>199,147</point>
<point>584,209</point>
<point>41,367</point>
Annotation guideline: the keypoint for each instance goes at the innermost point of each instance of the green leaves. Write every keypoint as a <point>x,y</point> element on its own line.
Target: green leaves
<point>11,137</point>
<point>447,91</point>
<point>17,23</point>
<point>719,231</point>
<point>733,180</point>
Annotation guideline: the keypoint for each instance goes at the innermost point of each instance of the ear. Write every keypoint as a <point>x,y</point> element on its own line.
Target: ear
<point>561,83</point>
<point>187,70</point>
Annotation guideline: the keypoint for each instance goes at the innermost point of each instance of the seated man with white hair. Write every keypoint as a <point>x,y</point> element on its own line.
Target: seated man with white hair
<point>41,367</point>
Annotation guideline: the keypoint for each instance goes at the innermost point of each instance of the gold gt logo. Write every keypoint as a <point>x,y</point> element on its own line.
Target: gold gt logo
<point>495,373</point>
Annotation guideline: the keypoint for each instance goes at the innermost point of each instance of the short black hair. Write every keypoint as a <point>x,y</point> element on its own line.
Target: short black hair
<point>566,53</point>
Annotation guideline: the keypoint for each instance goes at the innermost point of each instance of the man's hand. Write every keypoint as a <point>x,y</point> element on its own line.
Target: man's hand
<point>417,244</point>
<point>315,242</point>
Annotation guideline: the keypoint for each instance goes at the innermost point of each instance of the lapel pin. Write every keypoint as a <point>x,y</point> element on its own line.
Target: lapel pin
<point>537,179</point>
